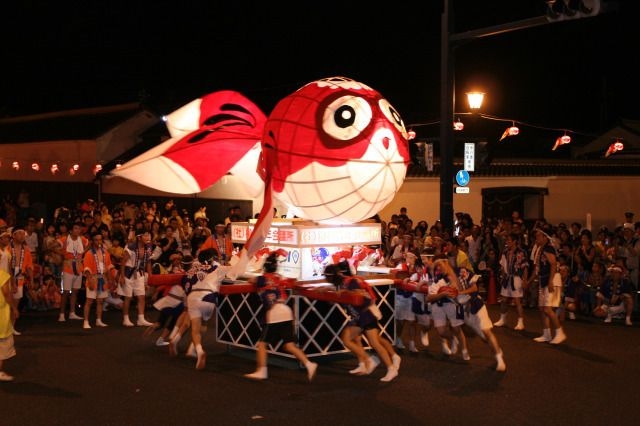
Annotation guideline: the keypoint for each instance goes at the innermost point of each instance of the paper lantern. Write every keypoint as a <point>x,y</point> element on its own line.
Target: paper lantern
<point>562,140</point>
<point>614,147</point>
<point>337,151</point>
<point>334,152</point>
<point>510,131</point>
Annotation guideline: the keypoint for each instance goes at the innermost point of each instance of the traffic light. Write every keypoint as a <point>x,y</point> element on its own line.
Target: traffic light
<point>559,10</point>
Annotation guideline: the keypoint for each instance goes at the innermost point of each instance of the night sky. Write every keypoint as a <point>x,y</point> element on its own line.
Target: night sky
<point>580,75</point>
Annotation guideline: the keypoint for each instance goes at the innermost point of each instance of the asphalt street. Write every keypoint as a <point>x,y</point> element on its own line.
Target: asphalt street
<point>66,375</point>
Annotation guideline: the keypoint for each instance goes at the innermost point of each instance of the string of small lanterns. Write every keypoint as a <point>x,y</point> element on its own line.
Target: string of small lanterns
<point>55,168</point>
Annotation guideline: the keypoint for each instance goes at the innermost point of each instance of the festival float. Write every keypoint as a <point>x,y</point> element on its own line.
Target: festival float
<point>335,152</point>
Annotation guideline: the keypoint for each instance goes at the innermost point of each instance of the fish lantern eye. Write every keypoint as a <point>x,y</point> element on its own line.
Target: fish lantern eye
<point>393,116</point>
<point>346,117</point>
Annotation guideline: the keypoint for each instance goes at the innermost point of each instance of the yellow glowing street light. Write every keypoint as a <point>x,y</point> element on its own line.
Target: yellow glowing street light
<point>475,100</point>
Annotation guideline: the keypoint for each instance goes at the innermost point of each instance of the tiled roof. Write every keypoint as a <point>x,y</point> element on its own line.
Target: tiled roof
<point>540,167</point>
<point>87,123</point>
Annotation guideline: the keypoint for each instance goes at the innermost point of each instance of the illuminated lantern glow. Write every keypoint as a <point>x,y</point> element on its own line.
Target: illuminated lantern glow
<point>222,122</point>
<point>562,140</point>
<point>75,167</point>
<point>510,131</point>
<point>97,168</point>
<point>335,152</point>
<point>54,169</point>
<point>72,171</point>
<point>475,100</point>
<point>15,165</point>
<point>411,135</point>
<point>35,167</point>
<point>614,147</point>
<point>458,126</point>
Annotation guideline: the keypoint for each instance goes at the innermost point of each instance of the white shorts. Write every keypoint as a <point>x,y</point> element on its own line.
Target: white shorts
<point>71,282</point>
<point>479,321</point>
<point>134,286</point>
<point>167,302</point>
<point>198,308</point>
<point>424,319</point>
<point>114,301</point>
<point>551,300</point>
<point>94,294</point>
<point>403,311</point>
<point>443,313</point>
<point>516,291</point>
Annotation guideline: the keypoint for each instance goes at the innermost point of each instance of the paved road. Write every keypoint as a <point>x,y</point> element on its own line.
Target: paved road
<point>114,376</point>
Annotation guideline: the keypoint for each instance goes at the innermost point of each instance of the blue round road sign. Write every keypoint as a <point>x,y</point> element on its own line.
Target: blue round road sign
<point>462,177</point>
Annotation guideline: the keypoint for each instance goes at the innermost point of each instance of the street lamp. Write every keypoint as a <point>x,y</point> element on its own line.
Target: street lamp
<point>475,103</point>
<point>448,42</point>
<point>447,143</point>
<point>475,100</point>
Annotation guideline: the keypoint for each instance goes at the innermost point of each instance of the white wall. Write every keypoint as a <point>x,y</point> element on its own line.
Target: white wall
<point>606,198</point>
<point>570,198</point>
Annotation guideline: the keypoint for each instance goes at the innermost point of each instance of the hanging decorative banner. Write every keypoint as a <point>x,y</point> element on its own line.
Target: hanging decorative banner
<point>469,156</point>
<point>428,154</point>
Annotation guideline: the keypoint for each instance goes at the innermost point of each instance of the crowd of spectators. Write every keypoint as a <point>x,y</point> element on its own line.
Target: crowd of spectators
<point>175,232</point>
<point>588,256</point>
<point>599,268</point>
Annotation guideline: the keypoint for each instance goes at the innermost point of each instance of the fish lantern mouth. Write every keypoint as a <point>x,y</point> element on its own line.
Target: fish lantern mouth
<point>351,192</point>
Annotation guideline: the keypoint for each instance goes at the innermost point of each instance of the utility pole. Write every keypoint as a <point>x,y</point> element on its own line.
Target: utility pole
<point>558,10</point>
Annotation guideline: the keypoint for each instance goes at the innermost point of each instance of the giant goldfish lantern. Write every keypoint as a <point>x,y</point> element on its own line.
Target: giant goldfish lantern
<point>334,152</point>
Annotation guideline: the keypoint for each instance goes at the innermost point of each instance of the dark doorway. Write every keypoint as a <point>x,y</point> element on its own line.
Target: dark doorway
<point>499,203</point>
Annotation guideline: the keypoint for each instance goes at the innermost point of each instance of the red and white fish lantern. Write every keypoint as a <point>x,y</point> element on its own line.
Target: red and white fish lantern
<point>335,152</point>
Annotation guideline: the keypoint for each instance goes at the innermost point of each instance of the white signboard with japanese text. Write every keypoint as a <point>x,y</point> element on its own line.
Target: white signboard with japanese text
<point>469,156</point>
